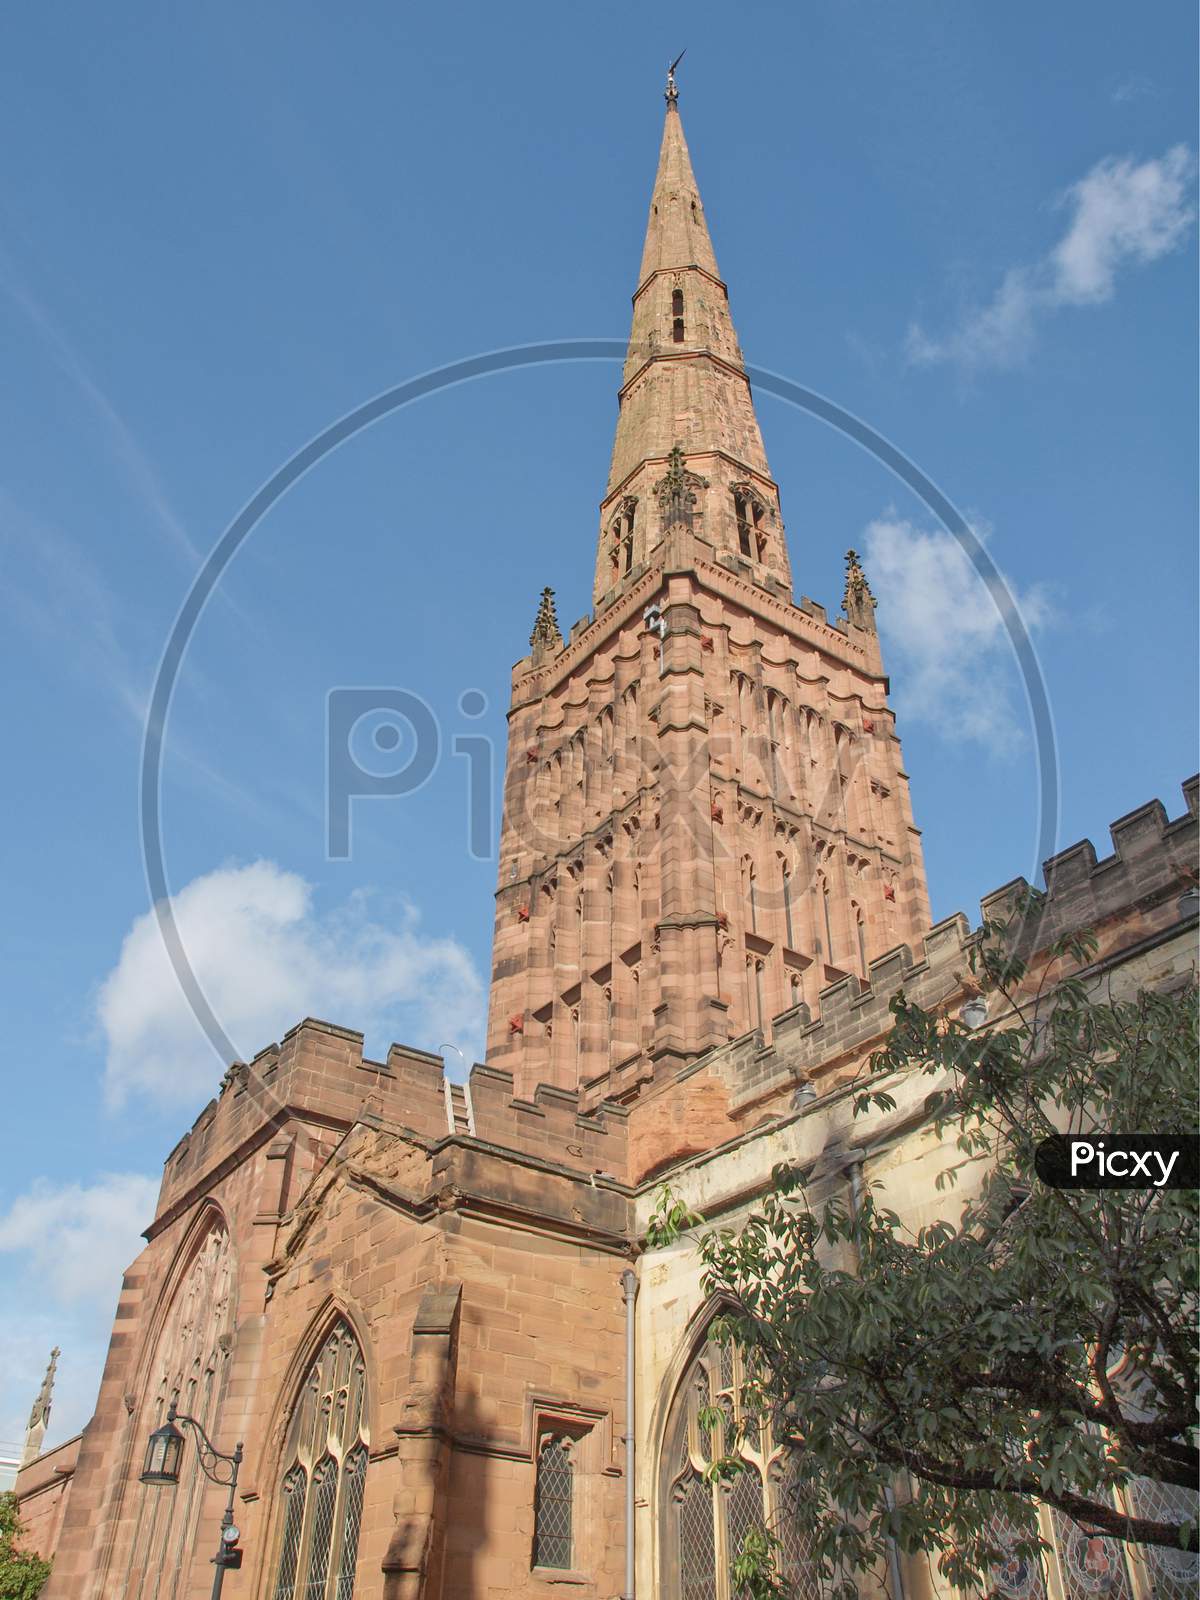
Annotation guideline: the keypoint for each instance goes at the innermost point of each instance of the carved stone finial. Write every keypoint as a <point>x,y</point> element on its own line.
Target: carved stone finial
<point>676,491</point>
<point>546,635</point>
<point>39,1417</point>
<point>858,602</point>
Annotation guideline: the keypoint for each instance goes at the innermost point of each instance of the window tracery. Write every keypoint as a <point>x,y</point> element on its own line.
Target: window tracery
<point>189,1370</point>
<point>324,1473</point>
<point>704,1525</point>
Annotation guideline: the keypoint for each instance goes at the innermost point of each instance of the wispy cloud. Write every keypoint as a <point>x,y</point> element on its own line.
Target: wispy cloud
<point>57,596</point>
<point>945,634</point>
<point>52,591</point>
<point>63,1248</point>
<point>1135,87</point>
<point>265,958</point>
<point>135,465</point>
<point>1121,214</point>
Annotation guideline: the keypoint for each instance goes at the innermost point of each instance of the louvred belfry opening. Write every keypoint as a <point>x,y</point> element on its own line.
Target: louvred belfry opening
<point>706,813</point>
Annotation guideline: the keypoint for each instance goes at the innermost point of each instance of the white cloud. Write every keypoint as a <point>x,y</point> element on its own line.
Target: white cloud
<point>945,633</point>
<point>63,1249</point>
<point>78,1238</point>
<point>1137,87</point>
<point>265,958</point>
<point>1121,214</point>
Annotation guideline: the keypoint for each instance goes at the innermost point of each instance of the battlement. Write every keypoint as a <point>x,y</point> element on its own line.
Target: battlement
<point>1124,898</point>
<point>553,1125</point>
<point>317,1076</point>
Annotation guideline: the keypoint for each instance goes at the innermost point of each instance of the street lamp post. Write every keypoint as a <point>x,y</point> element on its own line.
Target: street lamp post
<point>163,1453</point>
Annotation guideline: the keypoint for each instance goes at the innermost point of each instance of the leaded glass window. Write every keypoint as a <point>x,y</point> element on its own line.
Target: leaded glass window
<point>707,1525</point>
<point>795,1548</point>
<point>189,1366</point>
<point>552,1511</point>
<point>293,1518</point>
<point>697,1552</point>
<point>324,1468</point>
<point>1174,1574</point>
<point>1016,1576</point>
<point>1091,1566</point>
<point>354,1472</point>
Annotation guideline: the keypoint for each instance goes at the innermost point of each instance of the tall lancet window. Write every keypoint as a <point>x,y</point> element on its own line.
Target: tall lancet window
<point>704,1526</point>
<point>677,324</point>
<point>622,539</point>
<point>749,515</point>
<point>189,1369</point>
<point>323,1477</point>
<point>554,1503</point>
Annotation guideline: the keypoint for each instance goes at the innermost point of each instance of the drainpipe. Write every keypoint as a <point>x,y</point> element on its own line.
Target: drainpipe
<point>629,1288</point>
<point>889,1498</point>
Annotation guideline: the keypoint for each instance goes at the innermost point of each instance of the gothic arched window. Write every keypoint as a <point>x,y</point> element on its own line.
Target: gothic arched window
<point>622,538</point>
<point>189,1368</point>
<point>705,1525</point>
<point>750,515</point>
<point>324,1468</point>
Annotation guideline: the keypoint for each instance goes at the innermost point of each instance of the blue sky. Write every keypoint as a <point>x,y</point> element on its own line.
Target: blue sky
<point>219,231</point>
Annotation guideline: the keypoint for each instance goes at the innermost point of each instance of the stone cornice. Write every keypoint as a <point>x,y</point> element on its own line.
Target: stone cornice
<point>668,272</point>
<point>703,354</point>
<point>791,619</point>
<point>541,681</point>
<point>712,451</point>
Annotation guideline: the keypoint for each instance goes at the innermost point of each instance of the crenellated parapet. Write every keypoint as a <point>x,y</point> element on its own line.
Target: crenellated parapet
<point>552,1125</point>
<point>315,1084</point>
<point>1124,898</point>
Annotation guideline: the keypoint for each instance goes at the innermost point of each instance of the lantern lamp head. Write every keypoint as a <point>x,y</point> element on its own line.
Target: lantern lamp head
<point>163,1450</point>
<point>975,1013</point>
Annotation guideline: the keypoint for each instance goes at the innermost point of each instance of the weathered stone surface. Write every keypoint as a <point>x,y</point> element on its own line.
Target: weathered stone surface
<point>660,1006</point>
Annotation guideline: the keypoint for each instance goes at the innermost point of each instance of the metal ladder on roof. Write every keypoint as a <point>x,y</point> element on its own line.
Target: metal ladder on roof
<point>460,1115</point>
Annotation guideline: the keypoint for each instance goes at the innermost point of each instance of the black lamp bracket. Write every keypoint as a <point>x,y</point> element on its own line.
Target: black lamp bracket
<point>215,1464</point>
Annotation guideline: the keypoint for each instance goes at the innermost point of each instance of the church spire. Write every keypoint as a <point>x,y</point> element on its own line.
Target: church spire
<point>676,232</point>
<point>685,386</point>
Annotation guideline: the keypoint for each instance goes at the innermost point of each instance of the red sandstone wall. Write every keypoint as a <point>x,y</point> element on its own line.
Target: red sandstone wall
<point>43,1489</point>
<point>386,1221</point>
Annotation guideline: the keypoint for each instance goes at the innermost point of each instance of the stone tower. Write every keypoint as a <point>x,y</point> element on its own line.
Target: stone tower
<point>707,818</point>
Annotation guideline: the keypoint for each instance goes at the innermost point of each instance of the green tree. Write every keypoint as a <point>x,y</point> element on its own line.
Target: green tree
<point>1040,1348</point>
<point>21,1573</point>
